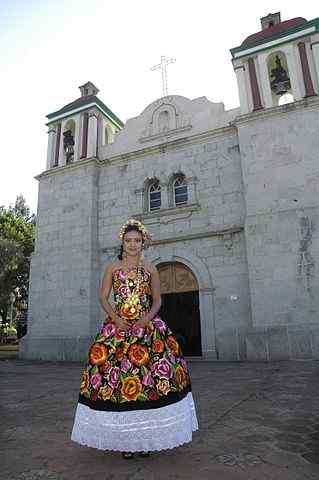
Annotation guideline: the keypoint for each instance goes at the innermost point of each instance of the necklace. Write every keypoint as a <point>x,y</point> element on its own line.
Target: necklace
<point>132,305</point>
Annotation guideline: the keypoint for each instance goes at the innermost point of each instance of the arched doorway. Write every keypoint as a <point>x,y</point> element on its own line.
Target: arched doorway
<point>180,305</point>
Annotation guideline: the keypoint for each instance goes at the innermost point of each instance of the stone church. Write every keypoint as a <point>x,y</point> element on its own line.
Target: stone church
<point>231,198</point>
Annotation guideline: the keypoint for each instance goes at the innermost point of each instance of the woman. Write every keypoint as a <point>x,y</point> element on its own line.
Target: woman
<point>135,394</point>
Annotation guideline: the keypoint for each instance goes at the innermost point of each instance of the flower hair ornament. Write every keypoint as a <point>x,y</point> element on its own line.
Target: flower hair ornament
<point>141,228</point>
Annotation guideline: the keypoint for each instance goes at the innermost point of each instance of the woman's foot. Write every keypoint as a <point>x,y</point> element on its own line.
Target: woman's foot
<point>145,454</point>
<point>127,455</point>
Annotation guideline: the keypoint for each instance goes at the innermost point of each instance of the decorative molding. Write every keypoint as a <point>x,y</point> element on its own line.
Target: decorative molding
<point>60,169</point>
<point>167,211</point>
<point>309,102</point>
<point>172,145</point>
<point>183,238</point>
<point>165,134</point>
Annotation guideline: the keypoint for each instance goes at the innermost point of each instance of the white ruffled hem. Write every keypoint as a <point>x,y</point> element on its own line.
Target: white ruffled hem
<point>136,430</point>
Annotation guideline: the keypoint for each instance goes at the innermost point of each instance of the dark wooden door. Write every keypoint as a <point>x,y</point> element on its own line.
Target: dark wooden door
<point>181,313</point>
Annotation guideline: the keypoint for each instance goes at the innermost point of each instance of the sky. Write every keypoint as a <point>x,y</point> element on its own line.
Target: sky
<point>49,48</point>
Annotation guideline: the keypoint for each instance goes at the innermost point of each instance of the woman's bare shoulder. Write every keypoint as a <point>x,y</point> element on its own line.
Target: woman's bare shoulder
<point>112,266</point>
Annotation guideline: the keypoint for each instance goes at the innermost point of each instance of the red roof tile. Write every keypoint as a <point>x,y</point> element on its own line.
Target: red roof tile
<point>268,32</point>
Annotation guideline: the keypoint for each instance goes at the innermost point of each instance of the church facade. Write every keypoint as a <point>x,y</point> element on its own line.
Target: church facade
<point>231,199</point>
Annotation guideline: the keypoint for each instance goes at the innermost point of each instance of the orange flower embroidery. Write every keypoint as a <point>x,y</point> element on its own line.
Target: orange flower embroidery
<point>131,388</point>
<point>85,381</point>
<point>173,345</point>
<point>138,354</point>
<point>163,387</point>
<point>158,346</point>
<point>98,353</point>
<point>180,376</point>
<point>105,392</point>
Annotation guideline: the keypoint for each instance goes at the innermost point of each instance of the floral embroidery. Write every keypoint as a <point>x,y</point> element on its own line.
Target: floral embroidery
<point>143,364</point>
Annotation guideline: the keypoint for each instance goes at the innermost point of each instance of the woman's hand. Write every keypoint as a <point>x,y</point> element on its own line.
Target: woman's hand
<point>121,322</point>
<point>143,321</point>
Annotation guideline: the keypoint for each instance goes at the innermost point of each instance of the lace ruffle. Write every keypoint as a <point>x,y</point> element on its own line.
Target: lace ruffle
<point>136,430</point>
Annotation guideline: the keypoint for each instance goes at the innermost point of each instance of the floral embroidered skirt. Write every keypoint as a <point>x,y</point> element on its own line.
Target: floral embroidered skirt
<point>135,393</point>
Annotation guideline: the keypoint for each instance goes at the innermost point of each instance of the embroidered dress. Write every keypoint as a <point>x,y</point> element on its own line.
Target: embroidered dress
<point>135,393</point>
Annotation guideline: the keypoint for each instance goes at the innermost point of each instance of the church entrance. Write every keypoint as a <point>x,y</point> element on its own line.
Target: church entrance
<point>180,306</point>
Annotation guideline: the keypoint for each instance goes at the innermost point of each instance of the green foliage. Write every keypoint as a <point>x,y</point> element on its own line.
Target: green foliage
<point>17,237</point>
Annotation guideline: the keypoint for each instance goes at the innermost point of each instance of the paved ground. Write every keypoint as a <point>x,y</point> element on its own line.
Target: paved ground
<point>258,421</point>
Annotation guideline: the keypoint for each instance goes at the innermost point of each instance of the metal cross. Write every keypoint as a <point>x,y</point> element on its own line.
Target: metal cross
<point>162,66</point>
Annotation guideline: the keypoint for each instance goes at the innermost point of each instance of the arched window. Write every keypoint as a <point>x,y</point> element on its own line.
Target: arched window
<point>154,195</point>
<point>180,191</point>
<point>279,78</point>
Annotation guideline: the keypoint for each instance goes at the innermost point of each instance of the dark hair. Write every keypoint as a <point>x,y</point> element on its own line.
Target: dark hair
<point>129,228</point>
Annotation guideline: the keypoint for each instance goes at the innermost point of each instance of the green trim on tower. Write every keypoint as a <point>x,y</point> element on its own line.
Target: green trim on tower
<point>276,36</point>
<point>80,103</point>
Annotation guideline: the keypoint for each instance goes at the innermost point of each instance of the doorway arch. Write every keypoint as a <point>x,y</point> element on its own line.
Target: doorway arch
<point>180,305</point>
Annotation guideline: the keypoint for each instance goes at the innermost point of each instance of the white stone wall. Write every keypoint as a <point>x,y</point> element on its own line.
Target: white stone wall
<point>64,309</point>
<point>249,232</point>
<point>281,179</point>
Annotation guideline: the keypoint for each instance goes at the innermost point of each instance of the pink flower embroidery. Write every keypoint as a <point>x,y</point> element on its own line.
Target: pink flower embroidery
<point>163,369</point>
<point>96,381</point>
<point>125,365</point>
<point>137,331</point>
<point>159,324</point>
<point>148,380</point>
<point>109,330</point>
<point>114,376</point>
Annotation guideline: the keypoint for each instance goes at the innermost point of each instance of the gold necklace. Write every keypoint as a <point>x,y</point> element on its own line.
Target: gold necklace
<point>132,304</point>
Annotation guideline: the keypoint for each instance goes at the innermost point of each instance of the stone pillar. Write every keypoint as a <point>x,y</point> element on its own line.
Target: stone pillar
<point>257,105</point>
<point>242,90</point>
<point>295,78</point>
<point>265,84</point>
<point>315,52</point>
<point>309,90</point>
<point>51,145</point>
<point>57,145</point>
<point>85,120</point>
<point>92,135</point>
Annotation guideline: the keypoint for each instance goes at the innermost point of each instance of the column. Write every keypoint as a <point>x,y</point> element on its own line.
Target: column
<point>242,91</point>
<point>315,52</point>
<point>85,120</point>
<point>92,135</point>
<point>293,63</point>
<point>257,105</point>
<point>309,90</point>
<point>264,80</point>
<point>51,145</point>
<point>57,145</point>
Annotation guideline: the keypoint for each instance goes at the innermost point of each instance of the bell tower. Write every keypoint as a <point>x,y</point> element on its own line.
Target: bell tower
<point>79,129</point>
<point>64,310</point>
<point>279,64</point>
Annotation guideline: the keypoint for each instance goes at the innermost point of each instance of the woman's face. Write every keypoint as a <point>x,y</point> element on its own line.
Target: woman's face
<point>132,243</point>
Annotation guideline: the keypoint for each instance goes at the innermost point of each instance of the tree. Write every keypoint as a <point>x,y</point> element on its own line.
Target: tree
<point>17,237</point>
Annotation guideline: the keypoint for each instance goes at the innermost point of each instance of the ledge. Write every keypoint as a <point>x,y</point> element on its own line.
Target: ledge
<point>184,237</point>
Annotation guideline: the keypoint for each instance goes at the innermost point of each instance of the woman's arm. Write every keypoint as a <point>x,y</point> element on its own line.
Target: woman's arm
<point>105,291</point>
<point>104,295</point>
<point>156,297</point>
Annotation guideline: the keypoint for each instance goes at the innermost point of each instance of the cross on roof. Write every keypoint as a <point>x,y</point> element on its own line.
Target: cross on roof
<point>162,66</point>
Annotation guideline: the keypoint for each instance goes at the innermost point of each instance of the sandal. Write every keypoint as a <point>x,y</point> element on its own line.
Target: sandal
<point>127,455</point>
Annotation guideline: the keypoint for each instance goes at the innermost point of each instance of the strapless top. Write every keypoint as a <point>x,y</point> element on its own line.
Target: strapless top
<point>132,291</point>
